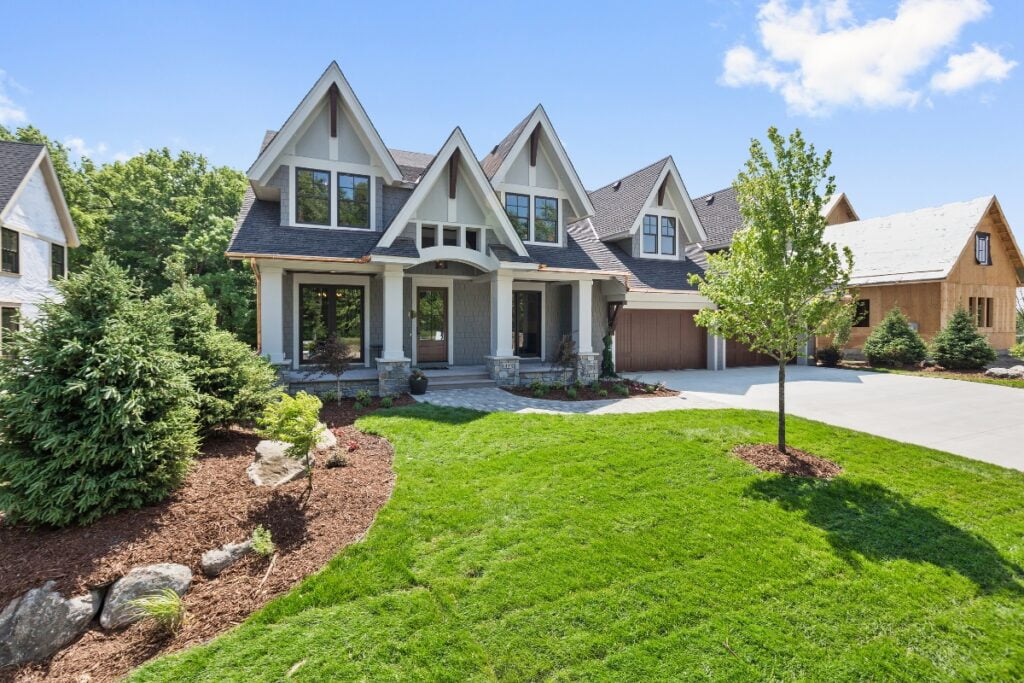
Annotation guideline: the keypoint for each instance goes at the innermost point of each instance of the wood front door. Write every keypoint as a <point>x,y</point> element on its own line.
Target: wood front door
<point>432,325</point>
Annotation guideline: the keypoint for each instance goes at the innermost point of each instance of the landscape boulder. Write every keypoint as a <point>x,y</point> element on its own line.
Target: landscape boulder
<point>213,562</point>
<point>138,583</point>
<point>273,467</point>
<point>42,621</point>
<point>1016,372</point>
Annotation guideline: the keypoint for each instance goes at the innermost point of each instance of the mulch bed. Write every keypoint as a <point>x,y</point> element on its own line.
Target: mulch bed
<point>794,462</point>
<point>557,392</point>
<point>218,504</point>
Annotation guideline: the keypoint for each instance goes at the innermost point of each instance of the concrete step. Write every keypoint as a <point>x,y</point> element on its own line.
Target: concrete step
<point>460,383</point>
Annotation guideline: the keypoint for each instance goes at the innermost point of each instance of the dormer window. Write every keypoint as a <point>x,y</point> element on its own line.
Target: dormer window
<point>353,201</point>
<point>650,234</point>
<point>982,249</point>
<point>668,235</point>
<point>312,196</point>
<point>545,219</point>
<point>517,206</point>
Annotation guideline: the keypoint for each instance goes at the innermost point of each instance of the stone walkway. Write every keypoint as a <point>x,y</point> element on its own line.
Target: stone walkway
<point>493,400</point>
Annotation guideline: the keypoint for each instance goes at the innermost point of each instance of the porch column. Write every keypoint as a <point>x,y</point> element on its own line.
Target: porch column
<point>501,314</point>
<point>394,313</point>
<point>716,352</point>
<point>582,315</point>
<point>271,309</point>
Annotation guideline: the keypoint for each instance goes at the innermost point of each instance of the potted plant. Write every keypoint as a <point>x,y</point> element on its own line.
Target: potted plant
<point>417,382</point>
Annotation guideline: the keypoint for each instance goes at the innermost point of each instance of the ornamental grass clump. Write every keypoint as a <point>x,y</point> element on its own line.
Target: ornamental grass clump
<point>263,541</point>
<point>165,607</point>
<point>97,413</point>
<point>894,342</point>
<point>959,346</point>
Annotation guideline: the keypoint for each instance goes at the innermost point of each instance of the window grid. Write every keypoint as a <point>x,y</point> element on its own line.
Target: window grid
<point>58,261</point>
<point>517,206</point>
<point>668,235</point>
<point>650,234</point>
<point>312,196</point>
<point>9,258</point>
<point>353,201</point>
<point>545,219</point>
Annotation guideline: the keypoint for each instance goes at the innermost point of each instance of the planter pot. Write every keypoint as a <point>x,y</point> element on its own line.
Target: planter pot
<point>418,385</point>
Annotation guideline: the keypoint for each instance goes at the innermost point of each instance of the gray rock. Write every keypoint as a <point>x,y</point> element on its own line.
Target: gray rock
<point>273,466</point>
<point>41,622</point>
<point>1017,372</point>
<point>327,439</point>
<point>998,373</point>
<point>139,583</point>
<point>213,562</point>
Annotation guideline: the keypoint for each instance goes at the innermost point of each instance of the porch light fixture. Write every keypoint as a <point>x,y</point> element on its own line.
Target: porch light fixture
<point>440,265</point>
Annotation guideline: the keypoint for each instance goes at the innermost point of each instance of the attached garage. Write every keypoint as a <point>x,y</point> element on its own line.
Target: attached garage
<point>738,355</point>
<point>658,340</point>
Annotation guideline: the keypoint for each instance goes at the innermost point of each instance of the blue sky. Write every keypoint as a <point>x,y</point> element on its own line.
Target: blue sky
<point>921,101</point>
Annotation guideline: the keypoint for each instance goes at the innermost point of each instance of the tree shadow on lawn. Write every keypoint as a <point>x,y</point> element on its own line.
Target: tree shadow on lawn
<point>867,518</point>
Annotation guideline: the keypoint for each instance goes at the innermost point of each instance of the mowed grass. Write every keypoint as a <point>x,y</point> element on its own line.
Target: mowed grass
<point>635,547</point>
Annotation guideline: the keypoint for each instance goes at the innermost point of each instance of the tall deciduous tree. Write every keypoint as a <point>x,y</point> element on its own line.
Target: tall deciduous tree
<point>780,282</point>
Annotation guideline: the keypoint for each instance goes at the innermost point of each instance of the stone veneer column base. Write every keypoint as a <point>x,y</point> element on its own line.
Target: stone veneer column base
<point>504,370</point>
<point>588,367</point>
<point>393,376</point>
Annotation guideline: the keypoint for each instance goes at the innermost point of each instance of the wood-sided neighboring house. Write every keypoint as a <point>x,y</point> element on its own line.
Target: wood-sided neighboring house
<point>928,262</point>
<point>451,260</point>
<point>35,232</point>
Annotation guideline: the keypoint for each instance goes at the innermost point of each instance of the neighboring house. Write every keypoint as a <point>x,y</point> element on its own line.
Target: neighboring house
<point>444,259</point>
<point>35,232</point>
<point>928,262</point>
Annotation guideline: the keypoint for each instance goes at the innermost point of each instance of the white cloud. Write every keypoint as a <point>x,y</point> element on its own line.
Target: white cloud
<point>971,68</point>
<point>78,146</point>
<point>123,156</point>
<point>819,57</point>
<point>10,112</point>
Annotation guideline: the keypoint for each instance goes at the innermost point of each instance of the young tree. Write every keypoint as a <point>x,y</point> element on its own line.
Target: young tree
<point>296,421</point>
<point>959,346</point>
<point>333,357</point>
<point>779,283</point>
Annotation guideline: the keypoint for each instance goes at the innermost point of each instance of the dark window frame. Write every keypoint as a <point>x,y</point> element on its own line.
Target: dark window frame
<point>298,219</point>
<point>537,199</point>
<point>423,230</point>
<point>671,227</point>
<point>341,201</point>
<point>332,320</point>
<point>862,313</point>
<point>10,255</point>
<point>63,251</point>
<point>513,214</point>
<point>652,233</point>
<point>983,238</point>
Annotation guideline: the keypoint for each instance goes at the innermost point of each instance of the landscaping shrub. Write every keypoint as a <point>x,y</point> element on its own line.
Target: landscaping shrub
<point>295,420</point>
<point>165,607</point>
<point>607,361</point>
<point>621,389</point>
<point>262,541</point>
<point>363,396</point>
<point>571,393</point>
<point>829,356</point>
<point>386,402</point>
<point>97,412</point>
<point>894,342</point>
<point>959,346</point>
<point>233,383</point>
<point>1017,350</point>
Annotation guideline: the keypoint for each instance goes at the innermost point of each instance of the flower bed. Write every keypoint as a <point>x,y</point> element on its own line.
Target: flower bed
<point>600,390</point>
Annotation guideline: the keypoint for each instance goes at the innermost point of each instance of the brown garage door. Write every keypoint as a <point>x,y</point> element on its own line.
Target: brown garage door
<point>738,355</point>
<point>658,340</point>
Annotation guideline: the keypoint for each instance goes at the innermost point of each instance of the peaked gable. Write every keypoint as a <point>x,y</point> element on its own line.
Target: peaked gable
<point>431,196</point>
<point>314,109</point>
<point>26,172</point>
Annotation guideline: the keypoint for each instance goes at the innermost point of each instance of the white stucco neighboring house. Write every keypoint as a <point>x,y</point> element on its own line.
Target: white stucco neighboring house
<point>36,231</point>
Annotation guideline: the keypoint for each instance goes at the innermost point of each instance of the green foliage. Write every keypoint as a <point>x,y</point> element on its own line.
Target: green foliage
<point>363,396</point>
<point>97,413</point>
<point>234,384</point>
<point>779,282</point>
<point>607,360</point>
<point>571,393</point>
<point>959,346</point>
<point>620,388</point>
<point>332,356</point>
<point>294,419</point>
<point>1017,350</point>
<point>565,356</point>
<point>602,393</point>
<point>894,342</point>
<point>165,607</point>
<point>262,541</point>
<point>386,402</point>
<point>595,385</point>
<point>829,356</point>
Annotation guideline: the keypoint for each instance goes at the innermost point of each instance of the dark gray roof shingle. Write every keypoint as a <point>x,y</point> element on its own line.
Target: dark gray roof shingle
<point>503,253</point>
<point>16,158</point>
<point>719,213</point>
<point>617,204</point>
<point>492,162</point>
<point>411,164</point>
<point>402,246</point>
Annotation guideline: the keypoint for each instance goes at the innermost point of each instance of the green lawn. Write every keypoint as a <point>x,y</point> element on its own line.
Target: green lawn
<point>634,547</point>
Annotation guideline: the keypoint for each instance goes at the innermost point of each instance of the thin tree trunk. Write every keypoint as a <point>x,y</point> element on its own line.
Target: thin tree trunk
<point>782,406</point>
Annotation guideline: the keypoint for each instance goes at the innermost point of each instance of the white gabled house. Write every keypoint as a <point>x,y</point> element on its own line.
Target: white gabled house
<point>36,231</point>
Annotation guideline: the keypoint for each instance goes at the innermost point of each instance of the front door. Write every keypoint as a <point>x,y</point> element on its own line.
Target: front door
<point>526,324</point>
<point>431,325</point>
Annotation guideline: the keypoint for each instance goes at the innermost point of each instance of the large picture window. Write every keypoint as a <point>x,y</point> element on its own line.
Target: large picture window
<point>330,311</point>
<point>650,234</point>
<point>668,235</point>
<point>545,219</point>
<point>312,197</point>
<point>353,201</point>
<point>9,262</point>
<point>517,206</point>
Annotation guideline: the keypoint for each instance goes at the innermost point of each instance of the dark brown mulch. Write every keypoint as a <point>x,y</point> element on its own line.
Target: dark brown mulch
<point>218,504</point>
<point>557,392</point>
<point>794,462</point>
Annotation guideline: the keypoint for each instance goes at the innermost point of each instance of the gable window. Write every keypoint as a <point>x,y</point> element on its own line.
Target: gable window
<point>9,263</point>
<point>650,234</point>
<point>353,201</point>
<point>862,316</point>
<point>982,249</point>
<point>545,219</point>
<point>58,261</point>
<point>450,236</point>
<point>428,236</point>
<point>473,239</point>
<point>517,206</point>
<point>312,196</point>
<point>9,322</point>
<point>668,235</point>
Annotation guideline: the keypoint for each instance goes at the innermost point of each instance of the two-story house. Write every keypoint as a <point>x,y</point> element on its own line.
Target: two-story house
<point>453,260</point>
<point>35,232</point>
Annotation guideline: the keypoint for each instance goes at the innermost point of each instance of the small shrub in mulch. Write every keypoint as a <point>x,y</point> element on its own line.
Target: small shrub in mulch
<point>794,461</point>
<point>601,389</point>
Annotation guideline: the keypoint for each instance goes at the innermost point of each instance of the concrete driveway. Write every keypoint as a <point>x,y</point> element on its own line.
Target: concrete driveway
<point>980,421</point>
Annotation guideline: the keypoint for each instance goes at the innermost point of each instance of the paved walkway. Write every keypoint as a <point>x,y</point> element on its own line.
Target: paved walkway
<point>980,421</point>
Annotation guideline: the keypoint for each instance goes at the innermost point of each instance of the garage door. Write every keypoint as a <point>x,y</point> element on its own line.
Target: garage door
<point>738,355</point>
<point>658,340</point>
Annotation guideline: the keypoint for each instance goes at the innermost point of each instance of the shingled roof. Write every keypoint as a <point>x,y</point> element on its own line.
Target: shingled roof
<point>16,159</point>
<point>617,204</point>
<point>411,164</point>
<point>492,162</point>
<point>719,213</point>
